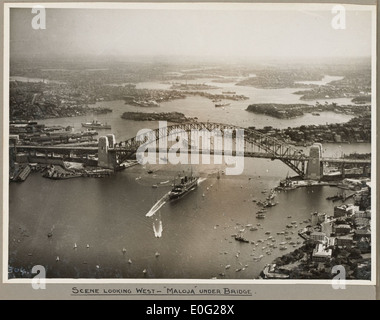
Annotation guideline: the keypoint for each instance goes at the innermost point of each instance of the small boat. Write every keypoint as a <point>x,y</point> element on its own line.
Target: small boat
<point>260,216</point>
<point>75,246</point>
<point>269,204</point>
<point>157,254</point>
<point>57,259</point>
<point>283,248</point>
<point>88,246</point>
<point>241,238</point>
<point>154,186</point>
<point>124,250</point>
<point>227,266</point>
<point>129,261</point>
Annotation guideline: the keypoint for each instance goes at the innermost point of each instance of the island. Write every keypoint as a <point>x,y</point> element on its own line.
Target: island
<point>278,110</point>
<point>192,86</point>
<point>177,117</point>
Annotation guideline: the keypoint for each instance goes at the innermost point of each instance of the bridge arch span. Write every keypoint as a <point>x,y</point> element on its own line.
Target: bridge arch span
<point>270,147</point>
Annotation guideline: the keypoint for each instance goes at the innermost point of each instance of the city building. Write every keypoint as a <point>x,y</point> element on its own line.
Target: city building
<point>343,211</point>
<point>342,229</point>
<point>317,218</point>
<point>362,233</point>
<point>363,214</point>
<point>318,236</point>
<point>327,227</point>
<point>321,254</point>
<point>344,241</point>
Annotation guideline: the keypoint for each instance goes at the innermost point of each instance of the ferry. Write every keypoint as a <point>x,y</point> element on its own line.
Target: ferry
<point>186,184</point>
<point>95,124</point>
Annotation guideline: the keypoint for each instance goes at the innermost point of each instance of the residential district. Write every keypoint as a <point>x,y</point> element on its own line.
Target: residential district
<point>356,130</point>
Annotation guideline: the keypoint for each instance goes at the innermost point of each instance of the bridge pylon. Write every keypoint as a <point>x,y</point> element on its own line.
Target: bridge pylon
<point>314,169</point>
<point>106,158</point>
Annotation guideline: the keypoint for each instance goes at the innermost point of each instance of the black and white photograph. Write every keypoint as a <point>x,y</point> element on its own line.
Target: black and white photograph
<point>214,142</point>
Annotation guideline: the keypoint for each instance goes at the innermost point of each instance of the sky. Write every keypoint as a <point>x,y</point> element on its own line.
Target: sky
<point>224,33</point>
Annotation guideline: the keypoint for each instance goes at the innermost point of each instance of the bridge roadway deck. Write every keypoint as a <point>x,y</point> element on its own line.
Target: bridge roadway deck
<point>59,149</point>
<point>82,149</point>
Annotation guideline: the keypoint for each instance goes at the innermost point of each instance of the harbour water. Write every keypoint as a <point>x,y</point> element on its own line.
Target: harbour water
<point>192,235</point>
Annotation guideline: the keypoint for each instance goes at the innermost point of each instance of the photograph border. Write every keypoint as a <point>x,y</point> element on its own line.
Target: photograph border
<point>188,6</point>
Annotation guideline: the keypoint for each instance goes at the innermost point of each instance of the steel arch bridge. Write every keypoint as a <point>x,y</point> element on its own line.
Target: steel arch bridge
<point>256,144</point>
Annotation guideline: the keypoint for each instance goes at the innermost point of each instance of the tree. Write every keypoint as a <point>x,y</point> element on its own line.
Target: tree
<point>355,254</point>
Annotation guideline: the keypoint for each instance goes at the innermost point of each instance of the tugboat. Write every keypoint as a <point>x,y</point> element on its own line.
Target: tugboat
<point>186,184</point>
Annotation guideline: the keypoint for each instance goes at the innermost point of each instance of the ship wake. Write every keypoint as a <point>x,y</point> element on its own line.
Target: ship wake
<point>157,228</point>
<point>158,205</point>
<point>201,180</point>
